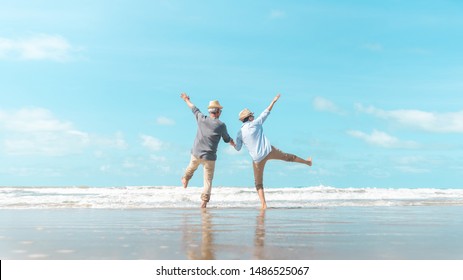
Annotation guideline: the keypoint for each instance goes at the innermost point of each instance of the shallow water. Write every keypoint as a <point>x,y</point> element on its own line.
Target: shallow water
<point>326,233</point>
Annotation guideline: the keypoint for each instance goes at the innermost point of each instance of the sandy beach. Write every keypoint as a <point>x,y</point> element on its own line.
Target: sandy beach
<point>333,233</point>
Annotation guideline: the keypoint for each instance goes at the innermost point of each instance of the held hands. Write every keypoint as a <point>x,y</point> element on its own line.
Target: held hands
<point>232,143</point>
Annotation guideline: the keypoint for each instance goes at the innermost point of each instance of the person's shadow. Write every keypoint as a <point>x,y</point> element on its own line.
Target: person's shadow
<point>200,249</point>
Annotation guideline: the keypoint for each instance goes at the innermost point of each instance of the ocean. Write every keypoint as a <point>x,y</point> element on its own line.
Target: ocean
<point>166,223</point>
<point>148,197</point>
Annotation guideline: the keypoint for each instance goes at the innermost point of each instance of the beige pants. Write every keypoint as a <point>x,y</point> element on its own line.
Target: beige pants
<point>259,166</point>
<point>209,166</point>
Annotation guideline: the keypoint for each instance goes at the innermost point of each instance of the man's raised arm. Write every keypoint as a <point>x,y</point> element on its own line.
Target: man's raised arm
<point>186,98</point>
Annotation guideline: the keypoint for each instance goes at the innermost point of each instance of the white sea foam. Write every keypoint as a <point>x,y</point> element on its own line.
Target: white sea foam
<point>139,197</point>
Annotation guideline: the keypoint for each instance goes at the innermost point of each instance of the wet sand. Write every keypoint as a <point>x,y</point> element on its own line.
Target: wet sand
<point>334,233</point>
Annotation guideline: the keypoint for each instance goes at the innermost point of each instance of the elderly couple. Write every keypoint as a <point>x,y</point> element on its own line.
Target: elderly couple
<point>211,129</point>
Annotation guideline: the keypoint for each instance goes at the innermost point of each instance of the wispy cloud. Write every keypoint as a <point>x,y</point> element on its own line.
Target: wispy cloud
<point>382,139</point>
<point>451,122</point>
<point>411,169</point>
<point>37,47</point>
<point>323,104</point>
<point>229,150</point>
<point>277,14</point>
<point>165,121</point>
<point>413,164</point>
<point>34,120</point>
<point>419,51</point>
<point>37,131</point>
<point>32,131</point>
<point>151,143</point>
<point>410,160</point>
<point>379,173</point>
<point>373,47</point>
<point>242,164</point>
<point>117,141</point>
<point>32,171</point>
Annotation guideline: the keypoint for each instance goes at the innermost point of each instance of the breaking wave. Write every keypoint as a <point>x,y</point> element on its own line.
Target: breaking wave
<point>143,197</point>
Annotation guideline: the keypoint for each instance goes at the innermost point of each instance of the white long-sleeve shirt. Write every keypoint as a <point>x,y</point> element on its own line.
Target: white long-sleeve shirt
<point>252,136</point>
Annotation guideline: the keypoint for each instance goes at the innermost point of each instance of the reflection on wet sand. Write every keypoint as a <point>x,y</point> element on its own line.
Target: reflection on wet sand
<point>370,233</point>
<point>200,240</point>
<point>203,249</point>
<point>259,240</point>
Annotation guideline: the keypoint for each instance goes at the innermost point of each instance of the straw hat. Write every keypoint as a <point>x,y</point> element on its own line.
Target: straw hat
<point>245,113</point>
<point>214,104</point>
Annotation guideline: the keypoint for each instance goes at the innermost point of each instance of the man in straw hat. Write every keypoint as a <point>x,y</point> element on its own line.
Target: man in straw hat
<point>252,136</point>
<point>204,151</point>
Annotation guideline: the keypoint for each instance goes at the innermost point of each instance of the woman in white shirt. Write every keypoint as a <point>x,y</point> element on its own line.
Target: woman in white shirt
<point>252,136</point>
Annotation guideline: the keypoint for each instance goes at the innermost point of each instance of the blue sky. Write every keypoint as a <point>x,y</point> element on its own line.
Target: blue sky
<point>372,90</point>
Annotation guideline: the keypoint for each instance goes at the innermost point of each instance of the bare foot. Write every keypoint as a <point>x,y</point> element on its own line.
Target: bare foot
<point>185,182</point>
<point>264,206</point>
<point>309,161</point>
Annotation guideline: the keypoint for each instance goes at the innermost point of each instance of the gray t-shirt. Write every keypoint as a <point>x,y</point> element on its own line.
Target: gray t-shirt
<point>208,136</point>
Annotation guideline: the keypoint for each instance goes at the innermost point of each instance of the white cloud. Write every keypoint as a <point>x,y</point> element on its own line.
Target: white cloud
<point>117,142</point>
<point>412,164</point>
<point>105,168</point>
<point>152,143</point>
<point>419,51</point>
<point>229,150</point>
<point>411,169</point>
<point>158,158</point>
<point>129,164</point>
<point>379,173</point>
<point>427,121</point>
<point>33,120</point>
<point>382,139</point>
<point>373,47</point>
<point>36,131</point>
<point>277,14</point>
<point>408,160</point>
<point>165,121</point>
<point>37,47</point>
<point>161,163</point>
<point>242,164</point>
<point>31,171</point>
<point>323,104</point>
